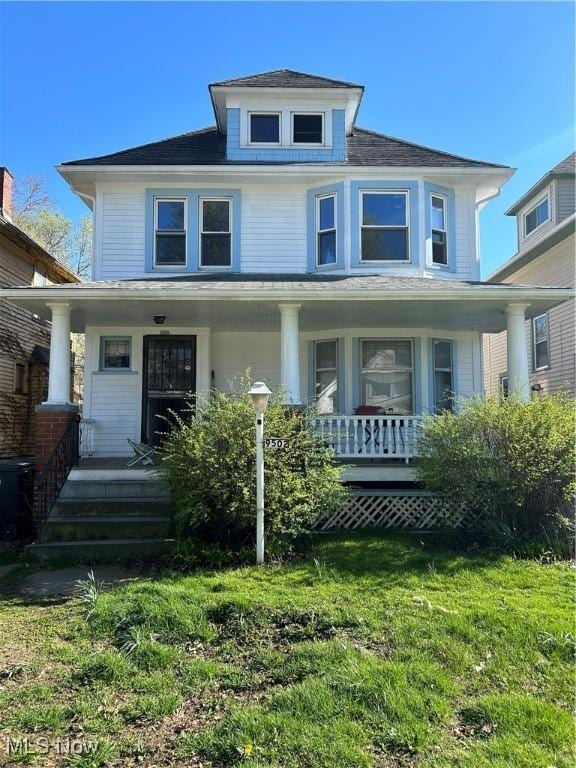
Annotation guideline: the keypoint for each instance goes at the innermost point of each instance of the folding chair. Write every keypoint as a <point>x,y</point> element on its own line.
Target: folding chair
<point>142,453</point>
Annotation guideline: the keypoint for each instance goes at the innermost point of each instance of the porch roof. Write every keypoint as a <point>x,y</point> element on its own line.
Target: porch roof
<point>250,301</point>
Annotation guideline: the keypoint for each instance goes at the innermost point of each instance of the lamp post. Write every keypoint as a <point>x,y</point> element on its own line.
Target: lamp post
<point>260,394</point>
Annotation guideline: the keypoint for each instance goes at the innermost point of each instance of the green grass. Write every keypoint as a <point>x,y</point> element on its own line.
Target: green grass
<point>376,650</point>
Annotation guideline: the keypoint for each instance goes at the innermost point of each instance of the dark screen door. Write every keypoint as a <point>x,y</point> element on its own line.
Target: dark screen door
<point>169,380</point>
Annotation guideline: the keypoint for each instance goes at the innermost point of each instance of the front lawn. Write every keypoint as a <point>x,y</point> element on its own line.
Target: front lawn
<point>374,651</point>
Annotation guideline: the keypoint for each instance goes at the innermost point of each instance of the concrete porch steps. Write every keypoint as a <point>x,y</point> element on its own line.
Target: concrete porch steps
<point>107,515</point>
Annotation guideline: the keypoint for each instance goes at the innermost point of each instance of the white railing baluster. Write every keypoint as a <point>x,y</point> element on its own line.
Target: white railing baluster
<point>387,437</point>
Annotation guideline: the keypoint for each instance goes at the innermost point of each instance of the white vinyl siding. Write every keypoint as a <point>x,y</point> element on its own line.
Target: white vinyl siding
<point>122,236</point>
<point>115,410</point>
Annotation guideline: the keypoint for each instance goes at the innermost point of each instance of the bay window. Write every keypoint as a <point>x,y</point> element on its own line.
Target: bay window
<point>170,232</point>
<point>439,232</point>
<point>326,376</point>
<point>326,230</point>
<point>387,374</point>
<point>215,232</point>
<point>442,361</point>
<point>384,226</point>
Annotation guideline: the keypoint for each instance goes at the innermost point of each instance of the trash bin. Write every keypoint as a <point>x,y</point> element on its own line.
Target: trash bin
<point>15,498</point>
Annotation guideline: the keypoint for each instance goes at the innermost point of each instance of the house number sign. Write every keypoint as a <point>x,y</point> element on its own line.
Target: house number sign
<point>276,442</point>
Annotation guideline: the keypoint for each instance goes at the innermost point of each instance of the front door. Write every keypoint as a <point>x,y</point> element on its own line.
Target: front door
<point>168,382</point>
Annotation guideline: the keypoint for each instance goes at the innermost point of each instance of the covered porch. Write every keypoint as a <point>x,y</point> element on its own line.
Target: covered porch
<point>375,354</point>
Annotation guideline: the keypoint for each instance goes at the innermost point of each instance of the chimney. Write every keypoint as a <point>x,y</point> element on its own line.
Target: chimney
<point>6,183</point>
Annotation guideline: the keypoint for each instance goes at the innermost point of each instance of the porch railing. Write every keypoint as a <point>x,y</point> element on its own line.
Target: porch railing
<point>51,478</point>
<point>368,437</point>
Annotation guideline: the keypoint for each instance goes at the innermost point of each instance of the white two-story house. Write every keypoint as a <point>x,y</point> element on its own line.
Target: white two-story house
<point>338,263</point>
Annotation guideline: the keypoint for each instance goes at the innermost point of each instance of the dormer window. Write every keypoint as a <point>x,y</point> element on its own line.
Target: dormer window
<point>307,129</point>
<point>536,217</point>
<point>264,128</point>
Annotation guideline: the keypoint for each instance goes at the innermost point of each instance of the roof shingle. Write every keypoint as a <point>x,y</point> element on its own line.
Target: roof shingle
<point>285,78</point>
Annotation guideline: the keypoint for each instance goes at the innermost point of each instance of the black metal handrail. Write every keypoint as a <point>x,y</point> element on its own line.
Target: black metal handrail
<point>50,480</point>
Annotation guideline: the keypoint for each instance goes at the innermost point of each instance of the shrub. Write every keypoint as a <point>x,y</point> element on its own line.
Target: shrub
<point>210,466</point>
<point>510,463</point>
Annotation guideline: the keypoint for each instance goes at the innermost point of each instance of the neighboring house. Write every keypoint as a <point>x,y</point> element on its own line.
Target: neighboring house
<point>336,262</point>
<point>24,335</point>
<point>545,218</point>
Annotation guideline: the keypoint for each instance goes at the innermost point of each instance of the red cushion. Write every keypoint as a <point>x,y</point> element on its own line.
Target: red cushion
<point>368,410</point>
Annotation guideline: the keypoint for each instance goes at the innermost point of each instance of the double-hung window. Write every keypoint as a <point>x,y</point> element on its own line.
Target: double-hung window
<point>115,353</point>
<point>326,376</point>
<point>442,361</point>
<point>439,233</point>
<point>384,226</point>
<point>325,230</point>
<point>536,216</point>
<point>307,129</point>
<point>540,342</point>
<point>387,374</point>
<point>264,128</point>
<point>215,232</point>
<point>170,232</point>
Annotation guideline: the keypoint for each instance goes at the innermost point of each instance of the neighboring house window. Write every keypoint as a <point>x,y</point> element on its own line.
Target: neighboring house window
<point>536,217</point>
<point>264,129</point>
<point>384,227</point>
<point>215,233</point>
<point>540,342</point>
<point>39,277</point>
<point>326,230</point>
<point>170,232</point>
<point>326,376</point>
<point>442,354</point>
<point>19,378</point>
<point>115,353</point>
<point>439,231</point>
<point>307,129</point>
<point>504,385</point>
<point>387,374</point>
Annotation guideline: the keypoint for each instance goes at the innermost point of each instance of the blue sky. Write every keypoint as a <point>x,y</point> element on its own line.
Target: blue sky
<point>492,81</point>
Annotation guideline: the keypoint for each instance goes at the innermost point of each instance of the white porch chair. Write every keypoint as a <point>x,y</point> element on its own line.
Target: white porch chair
<point>142,453</point>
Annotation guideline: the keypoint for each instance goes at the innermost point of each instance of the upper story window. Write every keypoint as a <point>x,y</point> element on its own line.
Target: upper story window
<point>307,129</point>
<point>39,277</point>
<point>215,232</point>
<point>326,230</point>
<point>384,226</point>
<point>264,128</point>
<point>439,232</point>
<point>536,216</point>
<point>540,342</point>
<point>170,232</point>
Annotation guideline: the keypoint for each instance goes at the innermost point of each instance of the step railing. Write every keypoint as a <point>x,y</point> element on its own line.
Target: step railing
<point>51,478</point>
<point>369,437</point>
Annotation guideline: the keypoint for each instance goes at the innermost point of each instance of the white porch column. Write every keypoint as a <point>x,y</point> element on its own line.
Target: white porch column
<point>290,352</point>
<point>59,373</point>
<point>517,350</point>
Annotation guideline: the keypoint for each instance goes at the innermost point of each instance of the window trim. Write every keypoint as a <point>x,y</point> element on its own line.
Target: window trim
<point>318,231</point>
<point>412,341</point>
<point>452,370</point>
<point>440,196</point>
<point>171,199</point>
<point>221,199</point>
<point>336,369</point>
<point>547,342</point>
<point>545,198</point>
<point>320,143</point>
<point>249,128</point>
<point>102,357</point>
<point>406,193</point>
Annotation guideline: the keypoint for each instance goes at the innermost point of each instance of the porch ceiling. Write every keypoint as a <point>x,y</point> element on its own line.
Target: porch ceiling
<point>469,307</point>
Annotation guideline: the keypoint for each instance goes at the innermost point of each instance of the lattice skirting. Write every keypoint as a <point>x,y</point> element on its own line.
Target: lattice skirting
<point>394,509</point>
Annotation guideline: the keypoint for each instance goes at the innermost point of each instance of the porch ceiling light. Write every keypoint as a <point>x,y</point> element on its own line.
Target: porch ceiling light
<point>159,319</point>
<point>260,394</point>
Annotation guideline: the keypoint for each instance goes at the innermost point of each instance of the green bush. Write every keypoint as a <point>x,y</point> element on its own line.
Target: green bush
<point>210,466</point>
<point>511,464</point>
